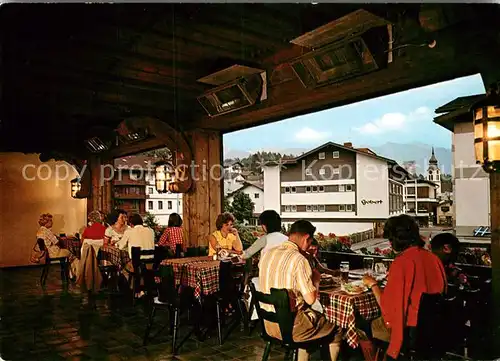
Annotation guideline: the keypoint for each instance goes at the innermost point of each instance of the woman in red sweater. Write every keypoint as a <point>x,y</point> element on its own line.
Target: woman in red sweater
<point>414,271</point>
<point>96,229</point>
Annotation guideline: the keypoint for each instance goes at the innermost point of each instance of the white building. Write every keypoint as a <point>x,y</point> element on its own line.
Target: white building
<point>161,204</point>
<point>233,166</point>
<point>256,194</point>
<point>471,187</point>
<point>421,201</point>
<point>340,189</point>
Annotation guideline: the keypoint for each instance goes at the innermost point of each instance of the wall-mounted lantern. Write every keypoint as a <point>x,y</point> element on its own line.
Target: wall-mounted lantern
<point>486,118</point>
<point>164,176</point>
<point>76,186</point>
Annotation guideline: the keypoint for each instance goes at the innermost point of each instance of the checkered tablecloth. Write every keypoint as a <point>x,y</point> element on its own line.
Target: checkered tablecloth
<point>178,264</point>
<point>203,277</point>
<point>341,309</point>
<point>114,255</point>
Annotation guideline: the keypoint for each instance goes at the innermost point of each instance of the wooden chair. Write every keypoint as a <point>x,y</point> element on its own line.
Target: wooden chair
<point>231,288</point>
<point>140,260</point>
<point>285,318</point>
<point>63,261</point>
<point>168,299</point>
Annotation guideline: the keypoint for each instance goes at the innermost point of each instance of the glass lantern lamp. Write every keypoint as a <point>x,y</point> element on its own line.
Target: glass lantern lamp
<point>486,117</point>
<point>76,186</point>
<point>163,176</point>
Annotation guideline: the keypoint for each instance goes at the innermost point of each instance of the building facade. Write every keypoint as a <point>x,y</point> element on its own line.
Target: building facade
<point>471,184</point>
<point>129,184</point>
<point>421,201</point>
<point>340,189</point>
<point>161,205</point>
<point>256,194</point>
<point>434,174</point>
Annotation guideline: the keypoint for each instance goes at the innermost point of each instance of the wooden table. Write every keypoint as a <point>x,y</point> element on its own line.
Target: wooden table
<point>341,309</point>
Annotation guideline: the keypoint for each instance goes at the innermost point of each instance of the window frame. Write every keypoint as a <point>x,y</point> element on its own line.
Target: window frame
<point>336,154</point>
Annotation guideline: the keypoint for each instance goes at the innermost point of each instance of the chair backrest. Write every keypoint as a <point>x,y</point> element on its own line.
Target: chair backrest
<point>283,315</point>
<point>166,290</point>
<point>231,277</point>
<point>427,340</point>
<point>41,244</point>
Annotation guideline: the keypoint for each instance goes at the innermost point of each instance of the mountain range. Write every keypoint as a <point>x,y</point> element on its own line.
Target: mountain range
<point>400,152</point>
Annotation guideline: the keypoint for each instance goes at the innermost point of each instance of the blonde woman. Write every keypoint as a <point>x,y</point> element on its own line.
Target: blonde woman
<point>51,242</point>
<point>226,236</point>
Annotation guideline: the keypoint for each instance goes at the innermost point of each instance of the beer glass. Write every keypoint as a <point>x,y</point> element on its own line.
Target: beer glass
<point>344,272</point>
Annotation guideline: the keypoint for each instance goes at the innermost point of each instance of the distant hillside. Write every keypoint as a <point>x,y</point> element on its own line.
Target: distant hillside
<point>419,152</point>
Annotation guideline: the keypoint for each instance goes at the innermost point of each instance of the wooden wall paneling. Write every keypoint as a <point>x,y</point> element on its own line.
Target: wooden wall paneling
<point>202,189</point>
<point>215,172</point>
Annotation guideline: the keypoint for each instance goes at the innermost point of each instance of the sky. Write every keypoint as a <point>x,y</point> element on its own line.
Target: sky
<point>405,117</point>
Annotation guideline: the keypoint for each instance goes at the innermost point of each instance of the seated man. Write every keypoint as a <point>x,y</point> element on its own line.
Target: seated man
<point>285,267</point>
<point>271,224</point>
<point>137,236</point>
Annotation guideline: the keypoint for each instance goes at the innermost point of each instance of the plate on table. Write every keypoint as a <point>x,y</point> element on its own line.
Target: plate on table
<point>354,288</point>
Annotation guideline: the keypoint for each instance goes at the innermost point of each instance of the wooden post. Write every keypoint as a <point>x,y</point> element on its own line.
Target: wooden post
<point>101,189</point>
<point>203,203</point>
<point>495,261</point>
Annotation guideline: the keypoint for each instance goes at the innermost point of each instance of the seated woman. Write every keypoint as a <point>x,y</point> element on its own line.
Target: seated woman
<point>51,242</point>
<point>95,229</point>
<point>415,271</point>
<point>117,221</point>
<point>226,236</point>
<point>173,237</point>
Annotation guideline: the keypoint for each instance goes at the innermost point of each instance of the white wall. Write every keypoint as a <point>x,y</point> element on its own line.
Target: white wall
<point>24,198</point>
<point>162,214</point>
<point>340,228</point>
<point>251,191</point>
<point>318,198</point>
<point>311,215</point>
<point>463,140</point>
<point>472,202</point>
<point>372,184</point>
<point>471,184</point>
<point>272,189</point>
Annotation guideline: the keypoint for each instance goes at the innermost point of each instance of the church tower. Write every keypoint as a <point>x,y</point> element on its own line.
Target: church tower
<point>433,173</point>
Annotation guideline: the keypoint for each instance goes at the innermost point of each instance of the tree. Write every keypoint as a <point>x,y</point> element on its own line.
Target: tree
<point>242,207</point>
<point>226,206</point>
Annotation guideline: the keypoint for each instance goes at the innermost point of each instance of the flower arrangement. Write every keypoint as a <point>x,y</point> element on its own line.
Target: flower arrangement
<point>386,252</point>
<point>475,256</point>
<point>334,243</point>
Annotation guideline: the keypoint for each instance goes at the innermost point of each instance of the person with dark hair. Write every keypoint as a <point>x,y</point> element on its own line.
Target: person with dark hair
<point>270,222</point>
<point>137,236</point>
<point>415,271</point>
<point>285,267</point>
<point>226,236</point>
<point>173,237</point>
<point>117,221</point>
<point>446,246</point>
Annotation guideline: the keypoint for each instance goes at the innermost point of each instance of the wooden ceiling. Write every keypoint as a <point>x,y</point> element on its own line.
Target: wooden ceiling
<point>69,67</point>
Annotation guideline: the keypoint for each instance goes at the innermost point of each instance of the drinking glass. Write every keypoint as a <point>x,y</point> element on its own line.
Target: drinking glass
<point>368,264</point>
<point>387,263</point>
<point>344,272</point>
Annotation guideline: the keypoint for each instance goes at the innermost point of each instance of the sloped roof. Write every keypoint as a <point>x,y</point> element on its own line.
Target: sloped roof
<point>243,186</point>
<point>332,144</point>
<point>459,103</point>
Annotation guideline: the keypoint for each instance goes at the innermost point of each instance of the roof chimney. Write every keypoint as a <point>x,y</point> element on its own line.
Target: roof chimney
<point>348,145</point>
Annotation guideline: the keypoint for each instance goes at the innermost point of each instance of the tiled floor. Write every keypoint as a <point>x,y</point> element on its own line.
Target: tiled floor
<point>62,325</point>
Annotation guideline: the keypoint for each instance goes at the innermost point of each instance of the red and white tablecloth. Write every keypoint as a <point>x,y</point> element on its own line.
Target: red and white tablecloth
<point>114,255</point>
<point>203,277</point>
<point>179,263</point>
<point>341,309</point>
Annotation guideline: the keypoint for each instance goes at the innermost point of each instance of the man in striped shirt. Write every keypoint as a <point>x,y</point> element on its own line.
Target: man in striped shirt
<point>286,267</point>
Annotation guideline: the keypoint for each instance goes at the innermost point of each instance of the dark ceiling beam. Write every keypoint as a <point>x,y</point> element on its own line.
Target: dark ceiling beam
<point>420,66</point>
